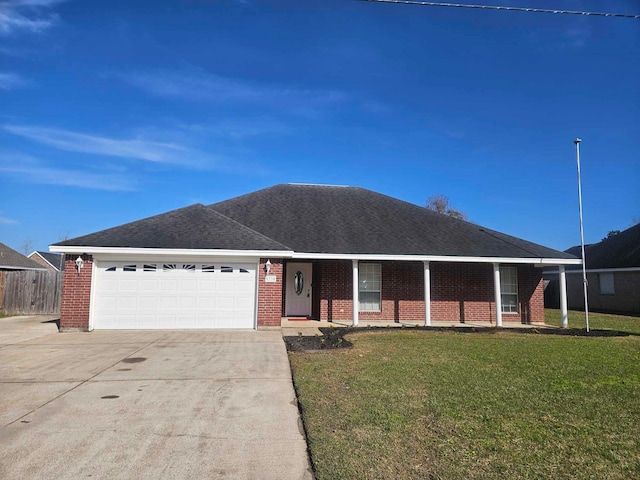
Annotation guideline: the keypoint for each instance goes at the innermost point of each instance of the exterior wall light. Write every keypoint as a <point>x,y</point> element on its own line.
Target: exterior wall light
<point>79,264</point>
<point>267,267</point>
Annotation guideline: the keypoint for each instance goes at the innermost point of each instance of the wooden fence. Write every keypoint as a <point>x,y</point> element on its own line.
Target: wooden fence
<point>30,292</point>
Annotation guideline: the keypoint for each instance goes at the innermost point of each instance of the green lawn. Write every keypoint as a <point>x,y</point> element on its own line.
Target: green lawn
<point>426,405</point>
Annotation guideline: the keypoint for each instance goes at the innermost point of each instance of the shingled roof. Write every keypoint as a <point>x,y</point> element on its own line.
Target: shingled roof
<point>619,251</point>
<point>12,260</point>
<point>331,219</point>
<point>316,219</point>
<point>194,227</point>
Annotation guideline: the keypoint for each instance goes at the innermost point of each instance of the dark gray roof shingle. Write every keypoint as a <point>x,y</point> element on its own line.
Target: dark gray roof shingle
<point>12,260</point>
<point>316,219</point>
<point>55,259</point>
<point>327,219</point>
<point>194,227</point>
<point>620,251</point>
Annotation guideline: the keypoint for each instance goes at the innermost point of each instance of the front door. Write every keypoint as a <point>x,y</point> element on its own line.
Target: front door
<point>298,290</point>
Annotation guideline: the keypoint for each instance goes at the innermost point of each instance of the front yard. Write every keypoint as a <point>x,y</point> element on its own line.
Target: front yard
<point>407,403</point>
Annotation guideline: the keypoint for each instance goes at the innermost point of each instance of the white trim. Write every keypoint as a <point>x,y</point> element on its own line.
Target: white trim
<point>170,251</point>
<point>92,294</point>
<point>304,255</point>
<point>436,258</point>
<point>605,270</point>
<point>427,295</point>
<point>498,298</point>
<point>57,269</point>
<point>356,293</point>
<point>563,298</point>
<point>13,267</point>
<point>257,298</point>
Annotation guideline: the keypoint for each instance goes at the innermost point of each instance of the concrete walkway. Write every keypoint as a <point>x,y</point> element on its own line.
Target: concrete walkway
<point>146,404</point>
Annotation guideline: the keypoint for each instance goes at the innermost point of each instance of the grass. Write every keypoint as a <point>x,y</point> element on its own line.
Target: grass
<point>430,405</point>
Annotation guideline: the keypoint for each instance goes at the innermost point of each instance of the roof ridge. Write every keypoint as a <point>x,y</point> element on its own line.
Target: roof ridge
<point>211,209</point>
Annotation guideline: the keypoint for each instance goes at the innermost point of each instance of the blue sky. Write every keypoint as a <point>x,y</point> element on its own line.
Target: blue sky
<point>115,111</point>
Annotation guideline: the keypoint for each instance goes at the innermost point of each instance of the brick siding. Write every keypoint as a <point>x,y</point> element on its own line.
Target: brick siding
<point>460,292</point>
<point>270,295</point>
<point>76,294</point>
<point>39,260</point>
<point>626,298</point>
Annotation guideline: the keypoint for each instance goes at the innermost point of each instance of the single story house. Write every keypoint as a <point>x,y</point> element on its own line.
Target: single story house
<point>12,260</point>
<point>51,261</point>
<point>613,275</point>
<point>311,251</point>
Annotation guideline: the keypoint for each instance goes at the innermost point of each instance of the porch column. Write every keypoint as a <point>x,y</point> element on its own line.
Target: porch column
<point>427,294</point>
<point>563,297</point>
<point>496,286</point>
<point>356,300</point>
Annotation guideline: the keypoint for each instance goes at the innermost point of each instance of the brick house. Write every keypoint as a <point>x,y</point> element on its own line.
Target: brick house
<point>613,276</point>
<point>54,262</point>
<point>312,251</point>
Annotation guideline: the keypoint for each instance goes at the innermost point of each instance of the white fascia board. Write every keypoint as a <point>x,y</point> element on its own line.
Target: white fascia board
<point>435,258</point>
<point>606,270</point>
<point>12,267</point>
<point>172,252</point>
<point>52,266</point>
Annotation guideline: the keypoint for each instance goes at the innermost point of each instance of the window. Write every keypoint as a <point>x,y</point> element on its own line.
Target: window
<point>188,267</point>
<point>509,289</point>
<point>605,282</point>
<point>129,268</point>
<point>208,268</point>
<point>370,286</point>
<point>149,267</point>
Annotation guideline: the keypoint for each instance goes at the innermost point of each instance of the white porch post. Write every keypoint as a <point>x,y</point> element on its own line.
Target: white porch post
<point>496,282</point>
<point>356,300</point>
<point>427,295</point>
<point>563,297</point>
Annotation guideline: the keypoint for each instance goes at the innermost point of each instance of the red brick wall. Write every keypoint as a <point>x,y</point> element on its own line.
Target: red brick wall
<point>459,292</point>
<point>38,259</point>
<point>270,295</point>
<point>626,298</point>
<point>76,294</point>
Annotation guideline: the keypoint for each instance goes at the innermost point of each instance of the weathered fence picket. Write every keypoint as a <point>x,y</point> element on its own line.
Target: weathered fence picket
<point>30,292</point>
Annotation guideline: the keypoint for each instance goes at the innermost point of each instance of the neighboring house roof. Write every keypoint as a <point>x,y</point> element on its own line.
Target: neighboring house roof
<point>56,260</point>
<point>12,260</point>
<point>619,251</point>
<point>194,227</point>
<point>328,219</point>
<point>316,219</point>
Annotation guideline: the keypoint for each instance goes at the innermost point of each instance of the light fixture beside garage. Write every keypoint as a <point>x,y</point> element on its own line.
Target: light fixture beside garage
<point>268,278</point>
<point>79,264</point>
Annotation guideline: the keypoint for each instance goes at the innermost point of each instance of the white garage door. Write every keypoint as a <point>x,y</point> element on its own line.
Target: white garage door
<point>174,295</point>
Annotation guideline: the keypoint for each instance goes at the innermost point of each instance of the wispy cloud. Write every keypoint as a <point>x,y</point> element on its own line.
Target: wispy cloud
<point>9,81</point>
<point>198,86</point>
<point>150,151</point>
<point>30,170</point>
<point>239,129</point>
<point>32,16</point>
<point>7,221</point>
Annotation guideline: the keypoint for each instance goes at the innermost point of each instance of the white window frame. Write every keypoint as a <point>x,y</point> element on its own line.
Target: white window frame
<point>370,281</point>
<point>606,283</point>
<point>509,288</point>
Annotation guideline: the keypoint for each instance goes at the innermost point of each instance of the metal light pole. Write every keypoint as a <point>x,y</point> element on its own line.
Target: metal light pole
<point>584,265</point>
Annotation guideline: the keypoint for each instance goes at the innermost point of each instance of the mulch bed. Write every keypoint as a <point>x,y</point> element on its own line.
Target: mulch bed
<point>333,338</point>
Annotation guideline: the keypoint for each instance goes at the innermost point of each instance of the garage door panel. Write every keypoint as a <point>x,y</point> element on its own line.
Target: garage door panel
<point>174,295</point>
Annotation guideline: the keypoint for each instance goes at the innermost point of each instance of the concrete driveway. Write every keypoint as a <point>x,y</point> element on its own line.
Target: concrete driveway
<point>147,404</point>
